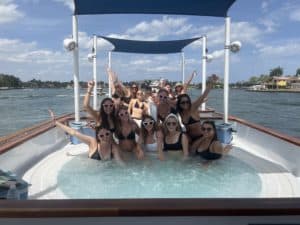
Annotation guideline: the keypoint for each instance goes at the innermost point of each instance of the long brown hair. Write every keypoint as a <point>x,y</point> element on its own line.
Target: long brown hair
<point>103,115</point>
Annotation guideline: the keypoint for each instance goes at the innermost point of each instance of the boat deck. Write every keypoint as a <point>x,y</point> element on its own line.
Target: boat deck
<point>277,182</point>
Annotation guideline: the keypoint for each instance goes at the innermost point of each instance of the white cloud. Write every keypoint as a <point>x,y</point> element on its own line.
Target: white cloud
<point>287,49</point>
<point>9,12</point>
<point>295,15</point>
<point>156,29</point>
<point>68,3</point>
<point>264,6</point>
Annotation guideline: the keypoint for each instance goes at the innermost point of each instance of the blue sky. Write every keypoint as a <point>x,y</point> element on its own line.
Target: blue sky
<point>32,33</point>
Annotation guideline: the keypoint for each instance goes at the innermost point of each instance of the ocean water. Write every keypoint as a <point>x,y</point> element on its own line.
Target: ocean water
<point>280,111</point>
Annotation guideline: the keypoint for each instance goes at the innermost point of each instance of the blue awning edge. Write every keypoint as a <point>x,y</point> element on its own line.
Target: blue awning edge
<point>215,8</point>
<point>149,47</point>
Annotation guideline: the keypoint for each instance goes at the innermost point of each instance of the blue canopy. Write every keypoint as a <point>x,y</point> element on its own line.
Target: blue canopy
<point>149,47</point>
<point>217,8</point>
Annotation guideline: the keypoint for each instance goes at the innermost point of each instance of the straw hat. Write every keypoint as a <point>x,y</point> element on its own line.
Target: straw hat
<point>178,84</point>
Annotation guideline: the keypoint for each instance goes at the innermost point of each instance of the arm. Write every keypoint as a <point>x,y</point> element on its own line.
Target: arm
<point>116,153</point>
<point>185,146</point>
<point>86,101</point>
<point>187,83</point>
<point>202,97</point>
<point>217,147</point>
<point>130,106</point>
<point>84,138</point>
<point>160,138</point>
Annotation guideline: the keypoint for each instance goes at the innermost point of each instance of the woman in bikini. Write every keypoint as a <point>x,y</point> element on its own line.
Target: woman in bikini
<point>126,130</point>
<point>174,138</point>
<point>100,148</point>
<point>151,136</point>
<point>106,115</point>
<point>209,147</point>
<point>190,117</point>
<point>138,108</point>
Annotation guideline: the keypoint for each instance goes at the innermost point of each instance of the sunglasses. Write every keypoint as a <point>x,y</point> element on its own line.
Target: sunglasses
<point>150,123</point>
<point>123,114</point>
<point>171,123</point>
<point>163,97</point>
<point>106,134</point>
<point>184,102</point>
<point>208,129</point>
<point>139,93</point>
<point>111,106</point>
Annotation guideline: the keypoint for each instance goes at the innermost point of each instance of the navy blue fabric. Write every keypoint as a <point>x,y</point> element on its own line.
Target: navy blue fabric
<point>217,8</point>
<point>149,47</point>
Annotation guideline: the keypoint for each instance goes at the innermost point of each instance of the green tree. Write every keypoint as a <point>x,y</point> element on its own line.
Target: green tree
<point>297,73</point>
<point>276,72</point>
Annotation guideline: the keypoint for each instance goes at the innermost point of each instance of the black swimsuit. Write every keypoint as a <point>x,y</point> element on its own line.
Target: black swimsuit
<point>130,136</point>
<point>177,146</point>
<point>192,121</point>
<point>206,154</point>
<point>97,156</point>
<point>136,105</point>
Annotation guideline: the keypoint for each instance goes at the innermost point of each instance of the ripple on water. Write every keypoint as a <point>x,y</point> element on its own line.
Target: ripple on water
<point>228,177</point>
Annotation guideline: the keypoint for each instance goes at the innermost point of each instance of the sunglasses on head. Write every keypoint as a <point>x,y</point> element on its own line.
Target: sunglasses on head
<point>208,129</point>
<point>163,97</point>
<point>171,123</point>
<point>111,106</point>
<point>151,122</point>
<point>123,114</point>
<point>106,134</point>
<point>184,102</point>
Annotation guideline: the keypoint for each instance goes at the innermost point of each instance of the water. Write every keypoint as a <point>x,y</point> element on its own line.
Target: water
<point>279,111</point>
<point>152,178</point>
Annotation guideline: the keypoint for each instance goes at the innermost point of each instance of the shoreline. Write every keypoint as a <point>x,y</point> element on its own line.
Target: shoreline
<point>277,90</point>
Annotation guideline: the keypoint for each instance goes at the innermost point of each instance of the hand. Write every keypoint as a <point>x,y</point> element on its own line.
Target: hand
<point>194,73</point>
<point>52,115</point>
<point>213,78</point>
<point>161,156</point>
<point>227,148</point>
<point>140,155</point>
<point>91,84</point>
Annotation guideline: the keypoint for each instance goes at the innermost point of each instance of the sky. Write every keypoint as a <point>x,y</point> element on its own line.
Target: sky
<point>32,34</point>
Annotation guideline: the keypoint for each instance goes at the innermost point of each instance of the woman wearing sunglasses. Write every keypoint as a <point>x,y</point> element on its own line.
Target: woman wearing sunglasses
<point>151,136</point>
<point>126,130</point>
<point>209,147</point>
<point>174,138</point>
<point>164,105</point>
<point>100,148</point>
<point>106,115</point>
<point>189,113</point>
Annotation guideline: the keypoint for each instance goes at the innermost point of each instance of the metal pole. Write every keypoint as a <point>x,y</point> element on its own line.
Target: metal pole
<point>76,68</point>
<point>183,67</point>
<point>226,68</point>
<point>203,68</point>
<point>109,80</point>
<point>95,72</point>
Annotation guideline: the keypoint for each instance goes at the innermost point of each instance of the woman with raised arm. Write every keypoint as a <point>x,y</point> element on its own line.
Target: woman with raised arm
<point>189,113</point>
<point>209,147</point>
<point>119,91</point>
<point>126,130</point>
<point>182,88</point>
<point>151,136</point>
<point>165,106</point>
<point>174,138</point>
<point>106,115</point>
<point>100,148</point>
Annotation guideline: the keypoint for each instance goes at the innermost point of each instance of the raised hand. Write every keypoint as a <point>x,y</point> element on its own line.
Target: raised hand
<point>52,115</point>
<point>91,84</point>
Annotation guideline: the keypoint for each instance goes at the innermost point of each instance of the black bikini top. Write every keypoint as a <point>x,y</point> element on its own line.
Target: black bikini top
<point>177,146</point>
<point>136,105</point>
<point>97,156</point>
<point>191,121</point>
<point>130,136</point>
